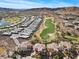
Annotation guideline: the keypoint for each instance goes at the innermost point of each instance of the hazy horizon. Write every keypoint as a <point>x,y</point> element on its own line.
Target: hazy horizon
<point>27,4</point>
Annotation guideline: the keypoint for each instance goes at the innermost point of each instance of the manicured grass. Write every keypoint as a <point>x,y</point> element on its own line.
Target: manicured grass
<point>72,38</point>
<point>50,28</point>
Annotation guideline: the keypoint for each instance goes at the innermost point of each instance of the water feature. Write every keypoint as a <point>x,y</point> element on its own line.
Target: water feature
<point>3,23</point>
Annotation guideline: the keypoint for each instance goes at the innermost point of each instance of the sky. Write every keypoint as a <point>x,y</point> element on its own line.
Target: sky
<point>27,4</point>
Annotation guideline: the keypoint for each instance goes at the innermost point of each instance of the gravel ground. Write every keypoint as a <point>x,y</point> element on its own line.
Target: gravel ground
<point>29,57</point>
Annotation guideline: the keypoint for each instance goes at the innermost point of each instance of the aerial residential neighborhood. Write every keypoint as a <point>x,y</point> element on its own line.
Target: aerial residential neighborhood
<point>48,30</point>
<point>39,29</point>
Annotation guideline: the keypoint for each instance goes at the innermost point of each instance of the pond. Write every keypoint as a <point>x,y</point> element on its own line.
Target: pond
<point>3,23</point>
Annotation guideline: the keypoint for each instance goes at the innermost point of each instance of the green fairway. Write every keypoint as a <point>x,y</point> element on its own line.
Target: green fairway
<point>72,38</point>
<point>50,28</point>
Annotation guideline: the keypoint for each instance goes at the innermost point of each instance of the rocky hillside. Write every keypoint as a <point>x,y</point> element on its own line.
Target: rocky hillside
<point>37,11</point>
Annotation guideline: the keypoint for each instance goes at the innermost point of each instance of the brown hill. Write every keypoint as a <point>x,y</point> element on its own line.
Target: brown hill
<point>38,11</point>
